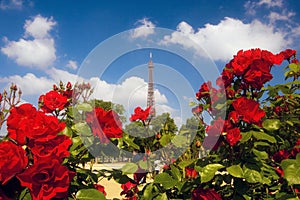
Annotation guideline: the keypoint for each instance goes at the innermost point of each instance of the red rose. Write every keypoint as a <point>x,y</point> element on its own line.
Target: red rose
<point>25,122</point>
<point>190,173</point>
<point>13,160</point>
<point>58,146</point>
<point>104,124</point>
<point>100,188</point>
<point>216,128</point>
<point>233,136</point>
<point>197,109</point>
<point>227,76</point>
<point>205,194</point>
<point>129,189</point>
<point>258,74</point>
<point>44,127</point>
<point>46,179</point>
<point>53,101</point>
<point>270,57</point>
<point>17,122</point>
<point>243,59</point>
<point>140,114</point>
<point>234,117</point>
<point>248,109</point>
<point>281,155</point>
<point>204,90</point>
<point>288,53</point>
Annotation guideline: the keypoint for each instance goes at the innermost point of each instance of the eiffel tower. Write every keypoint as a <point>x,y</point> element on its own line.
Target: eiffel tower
<point>150,97</point>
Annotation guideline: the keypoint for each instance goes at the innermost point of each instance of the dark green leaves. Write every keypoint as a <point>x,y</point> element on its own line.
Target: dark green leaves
<point>89,194</point>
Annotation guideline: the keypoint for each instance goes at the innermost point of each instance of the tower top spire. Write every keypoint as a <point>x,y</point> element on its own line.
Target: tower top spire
<point>150,55</point>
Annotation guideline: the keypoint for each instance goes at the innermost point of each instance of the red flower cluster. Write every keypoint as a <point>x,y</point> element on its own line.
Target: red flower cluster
<point>129,190</point>
<point>104,124</point>
<point>100,188</point>
<point>190,173</point>
<point>140,114</point>
<point>253,67</point>
<point>39,167</point>
<point>205,194</point>
<point>56,100</point>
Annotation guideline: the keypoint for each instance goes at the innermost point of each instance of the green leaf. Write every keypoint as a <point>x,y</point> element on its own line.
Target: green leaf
<point>129,168</point>
<point>208,172</point>
<point>148,192</point>
<point>252,176</point>
<point>162,196</point>
<point>129,142</point>
<point>245,136</point>
<point>271,124</point>
<point>165,139</point>
<point>260,154</point>
<point>186,163</point>
<point>291,168</point>
<point>166,180</point>
<point>180,141</point>
<point>235,170</point>
<point>175,172</point>
<point>82,128</point>
<point>294,67</point>
<point>25,195</point>
<point>263,136</point>
<point>84,107</point>
<point>144,164</point>
<point>89,194</point>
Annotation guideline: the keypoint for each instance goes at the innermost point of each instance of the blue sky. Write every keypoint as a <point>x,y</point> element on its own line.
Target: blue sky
<point>108,44</point>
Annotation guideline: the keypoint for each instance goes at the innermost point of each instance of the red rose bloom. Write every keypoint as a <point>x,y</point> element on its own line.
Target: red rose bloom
<point>58,146</point>
<point>216,128</point>
<point>288,53</point>
<point>197,109</point>
<point>204,90</point>
<point>104,124</point>
<point>17,122</point>
<point>140,114</point>
<point>281,155</point>
<point>46,179</point>
<point>243,59</point>
<point>234,117</point>
<point>52,101</point>
<point>43,127</point>
<point>190,172</point>
<point>100,188</point>
<point>258,74</point>
<point>205,194</point>
<point>129,189</point>
<point>248,109</point>
<point>13,160</point>
<point>233,136</point>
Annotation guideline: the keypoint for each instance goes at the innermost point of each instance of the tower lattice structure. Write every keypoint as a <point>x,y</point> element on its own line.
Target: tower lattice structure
<point>150,97</point>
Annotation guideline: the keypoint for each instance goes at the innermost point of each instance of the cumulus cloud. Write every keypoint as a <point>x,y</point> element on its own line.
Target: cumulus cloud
<point>284,16</point>
<point>30,84</point>
<point>223,40</point>
<point>11,4</point>
<point>72,64</point>
<point>270,3</point>
<point>38,52</point>
<point>144,29</point>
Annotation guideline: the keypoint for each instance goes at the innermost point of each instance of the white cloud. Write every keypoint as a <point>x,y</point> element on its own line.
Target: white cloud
<point>270,3</point>
<point>39,27</point>
<point>38,52</point>
<point>72,64</point>
<point>284,16</point>
<point>29,83</point>
<point>11,4</point>
<point>223,40</point>
<point>144,29</point>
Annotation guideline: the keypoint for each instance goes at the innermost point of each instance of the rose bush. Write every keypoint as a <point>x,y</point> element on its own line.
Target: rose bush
<point>249,148</point>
